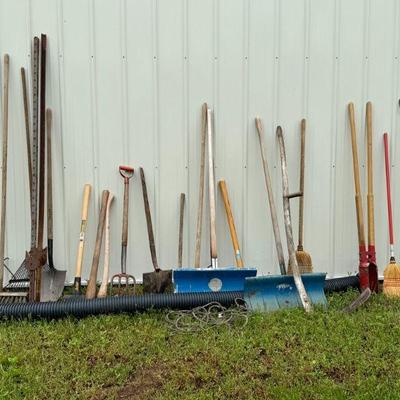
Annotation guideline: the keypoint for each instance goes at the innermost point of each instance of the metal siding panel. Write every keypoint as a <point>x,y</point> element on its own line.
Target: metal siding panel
<point>126,81</point>
<point>320,134</point>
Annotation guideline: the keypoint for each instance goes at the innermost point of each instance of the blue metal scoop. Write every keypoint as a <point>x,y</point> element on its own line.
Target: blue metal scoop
<point>211,279</point>
<point>273,292</point>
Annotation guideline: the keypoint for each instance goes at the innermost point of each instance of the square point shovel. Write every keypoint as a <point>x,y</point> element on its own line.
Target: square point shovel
<point>158,281</point>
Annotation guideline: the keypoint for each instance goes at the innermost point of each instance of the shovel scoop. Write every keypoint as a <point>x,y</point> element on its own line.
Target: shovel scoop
<point>158,281</point>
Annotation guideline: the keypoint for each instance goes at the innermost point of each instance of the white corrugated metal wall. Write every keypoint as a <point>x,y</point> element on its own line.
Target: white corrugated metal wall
<point>126,81</point>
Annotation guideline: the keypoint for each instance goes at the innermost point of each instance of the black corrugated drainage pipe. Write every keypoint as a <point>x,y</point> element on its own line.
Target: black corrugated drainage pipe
<point>80,307</point>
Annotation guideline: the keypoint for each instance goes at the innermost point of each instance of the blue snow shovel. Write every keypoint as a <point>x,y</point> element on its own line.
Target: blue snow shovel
<point>212,279</point>
<point>269,293</point>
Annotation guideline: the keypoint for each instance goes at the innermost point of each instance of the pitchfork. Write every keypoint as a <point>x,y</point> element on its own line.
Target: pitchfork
<point>123,280</point>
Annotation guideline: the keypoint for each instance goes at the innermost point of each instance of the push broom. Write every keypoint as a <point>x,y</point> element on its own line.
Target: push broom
<point>391,282</point>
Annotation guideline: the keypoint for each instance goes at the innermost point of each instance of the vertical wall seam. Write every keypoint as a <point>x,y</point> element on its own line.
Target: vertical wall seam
<point>124,83</point>
<point>94,106</point>
<point>156,124</point>
<point>63,123</point>
<point>334,136</point>
<point>245,135</point>
<point>185,130</point>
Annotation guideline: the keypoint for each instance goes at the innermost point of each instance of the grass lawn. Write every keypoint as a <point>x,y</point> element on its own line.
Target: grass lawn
<point>284,355</point>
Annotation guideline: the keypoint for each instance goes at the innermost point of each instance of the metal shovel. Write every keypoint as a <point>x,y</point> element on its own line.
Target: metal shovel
<point>53,280</point>
<point>158,281</point>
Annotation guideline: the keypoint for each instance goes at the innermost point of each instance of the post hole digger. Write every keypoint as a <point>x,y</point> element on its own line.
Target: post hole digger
<point>214,278</point>
<point>270,293</point>
<point>372,267</point>
<point>363,261</point>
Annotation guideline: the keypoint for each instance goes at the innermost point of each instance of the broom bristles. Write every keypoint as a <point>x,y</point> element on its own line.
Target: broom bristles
<point>391,280</point>
<point>304,262</point>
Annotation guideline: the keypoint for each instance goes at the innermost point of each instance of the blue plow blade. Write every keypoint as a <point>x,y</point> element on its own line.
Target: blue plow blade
<point>191,280</point>
<point>274,292</point>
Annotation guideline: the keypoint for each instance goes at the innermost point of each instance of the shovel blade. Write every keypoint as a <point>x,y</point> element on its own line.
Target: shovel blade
<point>157,282</point>
<point>52,285</point>
<point>271,293</point>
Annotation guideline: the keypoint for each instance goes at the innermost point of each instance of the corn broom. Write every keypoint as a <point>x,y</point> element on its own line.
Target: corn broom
<point>303,258</point>
<point>391,282</point>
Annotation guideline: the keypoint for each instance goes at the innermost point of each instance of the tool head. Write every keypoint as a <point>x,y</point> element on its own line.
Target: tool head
<point>124,284</point>
<point>126,172</point>
<point>157,282</point>
<point>52,284</point>
<point>271,293</point>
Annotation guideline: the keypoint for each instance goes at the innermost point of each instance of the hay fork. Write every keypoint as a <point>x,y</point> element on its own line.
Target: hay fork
<point>123,280</point>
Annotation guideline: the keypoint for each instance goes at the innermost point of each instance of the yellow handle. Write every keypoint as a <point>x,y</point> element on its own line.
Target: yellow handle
<point>231,223</point>
<point>370,195</point>
<point>85,207</point>
<point>356,171</point>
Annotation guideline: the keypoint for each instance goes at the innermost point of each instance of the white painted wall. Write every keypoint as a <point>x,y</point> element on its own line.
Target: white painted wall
<point>126,81</point>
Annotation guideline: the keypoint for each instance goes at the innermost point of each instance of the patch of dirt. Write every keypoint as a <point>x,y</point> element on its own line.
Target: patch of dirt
<point>145,383</point>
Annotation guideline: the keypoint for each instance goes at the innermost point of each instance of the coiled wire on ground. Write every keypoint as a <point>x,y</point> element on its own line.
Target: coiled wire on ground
<point>211,315</point>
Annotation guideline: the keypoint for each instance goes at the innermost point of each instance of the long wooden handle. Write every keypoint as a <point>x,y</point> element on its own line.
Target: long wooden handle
<point>301,200</point>
<point>180,238</point>
<point>27,126</point>
<point>388,188</point>
<point>370,194</point>
<point>42,167</point>
<point>106,269</point>
<point>305,300</point>
<point>201,186</point>
<point>231,223</point>
<point>356,171</point>
<point>91,287</point>
<point>272,207</point>
<point>85,207</point>
<point>211,190</point>
<point>49,177</point>
<point>6,78</point>
<point>152,243</point>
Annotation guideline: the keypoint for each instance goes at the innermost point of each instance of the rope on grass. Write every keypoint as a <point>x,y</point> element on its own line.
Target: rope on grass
<point>211,315</point>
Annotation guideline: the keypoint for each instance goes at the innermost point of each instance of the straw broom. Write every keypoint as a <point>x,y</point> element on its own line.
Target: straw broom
<point>303,258</point>
<point>391,282</point>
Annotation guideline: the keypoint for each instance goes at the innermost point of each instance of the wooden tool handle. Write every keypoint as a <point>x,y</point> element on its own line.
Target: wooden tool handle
<point>106,269</point>
<point>201,186</point>
<point>42,168</point>
<point>370,195</point>
<point>388,188</point>
<point>6,78</point>
<point>85,207</point>
<point>49,177</point>
<point>305,300</point>
<point>147,211</point>
<point>272,207</point>
<point>211,188</point>
<point>301,201</point>
<point>180,238</point>
<point>356,171</point>
<point>231,223</point>
<point>27,126</point>
<point>91,287</point>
